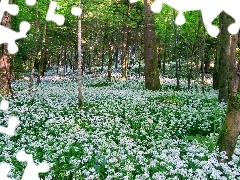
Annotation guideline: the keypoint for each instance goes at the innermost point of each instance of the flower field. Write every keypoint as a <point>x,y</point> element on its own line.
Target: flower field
<point>123,131</point>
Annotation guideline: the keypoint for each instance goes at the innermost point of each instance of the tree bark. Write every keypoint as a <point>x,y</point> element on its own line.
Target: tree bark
<point>175,53</point>
<point>42,58</point>
<point>33,59</point>
<point>231,127</point>
<point>110,62</point>
<point>125,53</point>
<point>203,60</point>
<point>5,77</point>
<point>152,81</point>
<point>116,57</point>
<point>225,21</point>
<point>216,68</point>
<point>80,97</point>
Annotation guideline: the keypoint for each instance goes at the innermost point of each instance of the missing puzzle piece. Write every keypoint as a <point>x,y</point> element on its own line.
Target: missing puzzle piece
<point>13,122</point>
<point>209,14</point>
<point>9,36</point>
<point>76,11</point>
<point>30,2</point>
<point>31,171</point>
<point>51,16</point>
<point>4,105</point>
<point>4,170</point>
<point>10,8</point>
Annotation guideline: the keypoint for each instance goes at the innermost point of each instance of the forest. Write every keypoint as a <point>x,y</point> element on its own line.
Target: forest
<point>118,91</point>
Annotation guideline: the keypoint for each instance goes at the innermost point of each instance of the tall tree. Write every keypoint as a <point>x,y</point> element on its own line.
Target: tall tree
<point>225,21</point>
<point>80,98</point>
<point>216,66</point>
<point>231,127</point>
<point>5,77</point>
<point>203,59</point>
<point>152,81</point>
<point>175,52</point>
<point>110,61</point>
<point>125,50</point>
<point>36,48</point>
<point>43,56</point>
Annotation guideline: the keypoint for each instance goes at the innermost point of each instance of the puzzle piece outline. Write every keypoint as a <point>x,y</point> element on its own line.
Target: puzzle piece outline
<point>4,105</point>
<point>8,35</point>
<point>32,170</point>
<point>12,9</point>
<point>4,171</point>
<point>30,2</point>
<point>13,36</point>
<point>24,26</point>
<point>209,10</point>
<point>13,121</point>
<point>76,11</point>
<point>59,19</point>
<point>51,16</point>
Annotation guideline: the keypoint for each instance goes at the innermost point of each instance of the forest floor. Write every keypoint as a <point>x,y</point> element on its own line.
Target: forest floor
<point>123,131</point>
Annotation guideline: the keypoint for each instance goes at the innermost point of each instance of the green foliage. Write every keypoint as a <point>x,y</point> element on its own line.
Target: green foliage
<point>208,141</point>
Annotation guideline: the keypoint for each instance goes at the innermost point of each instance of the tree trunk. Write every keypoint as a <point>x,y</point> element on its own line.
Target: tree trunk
<point>197,71</point>
<point>116,57</point>
<point>225,21</point>
<point>193,52</point>
<point>102,60</point>
<point>125,53</point>
<point>203,60</point>
<point>89,62</point>
<point>216,68</point>
<point>59,61</point>
<point>5,77</point>
<point>175,53</point>
<point>207,66</point>
<point>110,63</point>
<point>95,59</point>
<point>80,98</point>
<point>152,81</point>
<point>36,50</point>
<point>140,55</point>
<point>159,58</point>
<point>231,127</point>
<point>188,73</point>
<point>43,53</point>
<point>65,56</point>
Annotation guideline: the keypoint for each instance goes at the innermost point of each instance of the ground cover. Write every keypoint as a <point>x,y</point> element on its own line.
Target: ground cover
<point>123,132</point>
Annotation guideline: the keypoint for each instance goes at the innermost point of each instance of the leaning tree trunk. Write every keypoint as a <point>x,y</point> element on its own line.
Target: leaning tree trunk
<point>152,81</point>
<point>5,77</point>
<point>231,127</point>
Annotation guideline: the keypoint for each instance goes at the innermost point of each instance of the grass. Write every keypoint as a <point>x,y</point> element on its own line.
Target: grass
<point>123,131</point>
